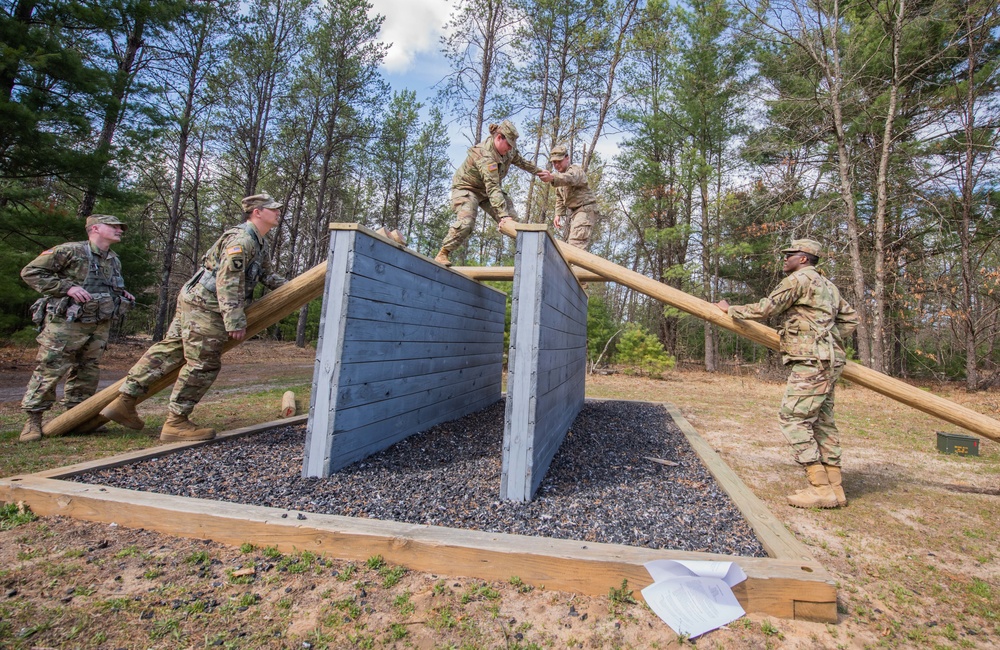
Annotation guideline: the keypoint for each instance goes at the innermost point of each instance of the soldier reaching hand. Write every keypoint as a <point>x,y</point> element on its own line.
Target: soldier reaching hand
<point>476,184</point>
<point>817,322</point>
<point>210,311</point>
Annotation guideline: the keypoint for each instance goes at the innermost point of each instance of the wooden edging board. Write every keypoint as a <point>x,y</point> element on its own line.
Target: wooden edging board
<point>790,584</point>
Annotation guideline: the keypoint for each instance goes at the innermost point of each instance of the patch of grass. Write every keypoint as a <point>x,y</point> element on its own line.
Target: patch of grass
<point>479,591</point>
<point>30,553</point>
<point>349,606</point>
<point>247,547</point>
<point>520,585</point>
<point>152,574</point>
<point>391,575</point>
<point>443,619</point>
<point>13,515</point>
<point>397,632</point>
<point>403,605</point>
<point>129,551</point>
<point>347,572</point>
<point>170,627</point>
<point>271,552</point>
<point>199,557</point>
<point>621,596</point>
<point>375,562</point>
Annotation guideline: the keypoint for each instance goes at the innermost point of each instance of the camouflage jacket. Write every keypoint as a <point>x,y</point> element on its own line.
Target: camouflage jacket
<point>817,318</point>
<point>483,171</point>
<point>60,268</point>
<point>572,190</point>
<point>231,269</point>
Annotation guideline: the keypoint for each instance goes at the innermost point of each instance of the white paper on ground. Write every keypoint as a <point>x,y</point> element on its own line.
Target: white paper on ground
<point>693,605</point>
<point>728,572</point>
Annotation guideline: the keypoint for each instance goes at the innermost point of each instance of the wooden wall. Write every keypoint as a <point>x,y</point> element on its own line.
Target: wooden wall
<point>546,363</point>
<point>404,344</point>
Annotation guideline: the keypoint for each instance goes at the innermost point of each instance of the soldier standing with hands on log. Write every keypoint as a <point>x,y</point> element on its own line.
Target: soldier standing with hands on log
<point>83,290</point>
<point>476,184</point>
<point>818,321</point>
<point>210,311</point>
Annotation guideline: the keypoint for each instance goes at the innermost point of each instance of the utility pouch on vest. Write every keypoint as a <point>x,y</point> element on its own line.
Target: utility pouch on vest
<point>58,306</point>
<point>123,305</point>
<point>38,310</point>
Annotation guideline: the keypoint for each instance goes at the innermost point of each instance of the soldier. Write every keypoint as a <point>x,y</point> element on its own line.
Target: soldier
<point>83,290</point>
<point>812,341</point>
<point>573,197</point>
<point>477,184</point>
<point>210,310</point>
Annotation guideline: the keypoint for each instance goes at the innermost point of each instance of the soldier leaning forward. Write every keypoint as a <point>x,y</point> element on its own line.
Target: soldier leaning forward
<point>210,311</point>
<point>476,184</point>
<point>83,289</point>
<point>817,321</point>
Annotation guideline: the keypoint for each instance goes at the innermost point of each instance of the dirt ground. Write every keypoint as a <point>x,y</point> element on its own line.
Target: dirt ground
<point>914,553</point>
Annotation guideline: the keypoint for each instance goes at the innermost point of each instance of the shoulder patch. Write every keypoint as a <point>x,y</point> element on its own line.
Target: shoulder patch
<point>492,167</point>
<point>234,250</point>
<point>47,252</point>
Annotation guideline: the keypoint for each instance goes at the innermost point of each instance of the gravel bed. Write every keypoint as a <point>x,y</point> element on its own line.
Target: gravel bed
<point>599,488</point>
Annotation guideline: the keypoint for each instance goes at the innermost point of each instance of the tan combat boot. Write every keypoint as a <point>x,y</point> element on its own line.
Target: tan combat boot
<point>122,411</point>
<point>32,430</point>
<point>820,495</point>
<point>834,474</point>
<point>442,257</point>
<point>178,428</point>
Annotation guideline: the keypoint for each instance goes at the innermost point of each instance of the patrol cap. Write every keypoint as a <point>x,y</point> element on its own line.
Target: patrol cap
<point>260,201</point>
<point>509,131</point>
<point>106,219</point>
<point>810,246</point>
<point>558,153</point>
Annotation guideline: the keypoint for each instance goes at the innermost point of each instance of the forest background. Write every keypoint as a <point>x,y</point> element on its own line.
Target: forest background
<point>869,125</point>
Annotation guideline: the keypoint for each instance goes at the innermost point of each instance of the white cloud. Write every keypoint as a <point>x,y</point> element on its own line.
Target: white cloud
<point>412,26</point>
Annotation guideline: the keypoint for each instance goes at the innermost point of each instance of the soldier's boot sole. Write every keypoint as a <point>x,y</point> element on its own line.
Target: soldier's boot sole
<point>813,497</point>
<point>122,411</point>
<point>178,428</point>
<point>187,436</point>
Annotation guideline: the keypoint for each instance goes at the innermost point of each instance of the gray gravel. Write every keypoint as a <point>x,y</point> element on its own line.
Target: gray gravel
<point>599,487</point>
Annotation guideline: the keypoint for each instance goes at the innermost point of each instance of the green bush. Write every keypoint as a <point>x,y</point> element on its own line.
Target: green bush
<point>642,353</point>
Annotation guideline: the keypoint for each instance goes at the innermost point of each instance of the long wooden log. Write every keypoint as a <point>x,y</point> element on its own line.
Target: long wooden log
<point>262,314</point>
<point>499,273</point>
<point>872,379</point>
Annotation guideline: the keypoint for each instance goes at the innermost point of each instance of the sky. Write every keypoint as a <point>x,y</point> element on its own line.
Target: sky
<point>415,62</point>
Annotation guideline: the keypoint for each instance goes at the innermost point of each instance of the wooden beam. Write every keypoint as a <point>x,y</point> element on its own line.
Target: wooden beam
<point>790,585</point>
<point>890,387</point>
<point>501,273</point>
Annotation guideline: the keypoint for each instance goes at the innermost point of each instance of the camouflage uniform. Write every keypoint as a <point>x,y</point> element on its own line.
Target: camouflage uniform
<point>476,184</point>
<point>74,335</point>
<point>210,305</point>
<point>574,197</point>
<point>812,341</point>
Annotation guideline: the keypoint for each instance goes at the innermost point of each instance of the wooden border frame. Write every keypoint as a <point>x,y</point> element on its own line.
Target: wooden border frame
<point>790,584</point>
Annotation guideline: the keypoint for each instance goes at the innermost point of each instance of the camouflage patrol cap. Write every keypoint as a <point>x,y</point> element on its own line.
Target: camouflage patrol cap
<point>106,219</point>
<point>810,246</point>
<point>260,201</point>
<point>509,131</point>
<point>558,153</point>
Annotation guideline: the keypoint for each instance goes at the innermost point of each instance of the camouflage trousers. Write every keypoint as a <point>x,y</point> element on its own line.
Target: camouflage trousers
<point>196,336</point>
<point>465,203</point>
<point>64,347</point>
<point>806,413</point>
<point>581,226</point>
